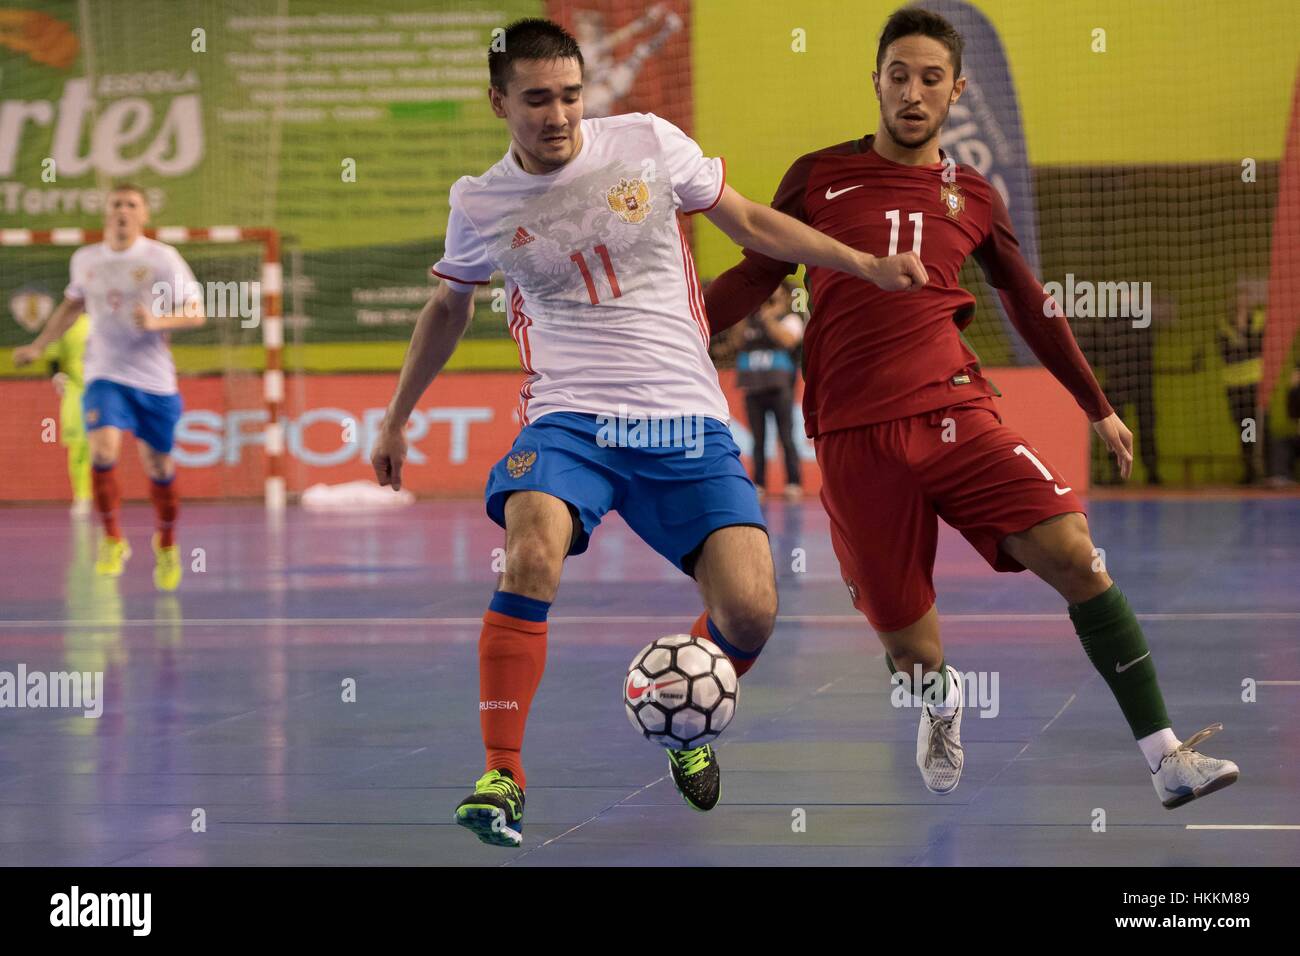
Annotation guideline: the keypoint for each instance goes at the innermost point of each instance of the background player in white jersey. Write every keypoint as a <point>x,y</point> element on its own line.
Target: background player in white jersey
<point>129,375</point>
<point>581,216</point>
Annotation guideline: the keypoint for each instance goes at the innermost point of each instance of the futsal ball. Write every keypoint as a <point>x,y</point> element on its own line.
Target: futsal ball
<point>680,691</point>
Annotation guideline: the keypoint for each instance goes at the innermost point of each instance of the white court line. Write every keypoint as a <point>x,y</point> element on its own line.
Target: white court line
<point>579,826</point>
<point>1053,720</point>
<point>629,619</point>
<point>1243,826</point>
<point>1278,683</point>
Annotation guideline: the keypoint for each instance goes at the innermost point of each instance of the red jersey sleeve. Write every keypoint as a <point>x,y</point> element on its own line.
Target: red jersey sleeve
<point>1042,326</point>
<point>745,286</point>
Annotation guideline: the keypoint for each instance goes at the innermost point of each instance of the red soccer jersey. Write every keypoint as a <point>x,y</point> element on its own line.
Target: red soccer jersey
<point>871,355</point>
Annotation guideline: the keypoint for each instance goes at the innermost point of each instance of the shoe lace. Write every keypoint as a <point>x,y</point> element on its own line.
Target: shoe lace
<point>692,761</point>
<point>1190,743</point>
<point>941,745</point>
<point>499,785</point>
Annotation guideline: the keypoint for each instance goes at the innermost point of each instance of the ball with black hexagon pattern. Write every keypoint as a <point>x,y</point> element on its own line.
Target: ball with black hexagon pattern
<point>680,691</point>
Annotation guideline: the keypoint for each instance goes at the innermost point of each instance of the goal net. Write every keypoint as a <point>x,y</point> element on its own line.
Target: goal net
<point>232,370</point>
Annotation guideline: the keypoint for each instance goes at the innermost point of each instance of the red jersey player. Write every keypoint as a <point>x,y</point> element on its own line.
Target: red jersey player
<point>905,427</point>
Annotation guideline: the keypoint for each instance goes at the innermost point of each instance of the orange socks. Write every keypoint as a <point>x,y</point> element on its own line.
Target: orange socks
<point>741,660</point>
<point>166,505</point>
<point>103,482</point>
<point>511,658</point>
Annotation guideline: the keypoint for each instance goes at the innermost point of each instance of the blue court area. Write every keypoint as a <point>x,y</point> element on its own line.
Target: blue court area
<point>227,698</point>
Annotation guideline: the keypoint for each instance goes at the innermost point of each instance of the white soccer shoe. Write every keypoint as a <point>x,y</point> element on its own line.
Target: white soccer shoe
<point>939,754</point>
<point>1184,774</point>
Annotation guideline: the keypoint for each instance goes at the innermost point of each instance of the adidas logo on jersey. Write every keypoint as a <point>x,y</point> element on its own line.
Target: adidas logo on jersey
<point>522,238</point>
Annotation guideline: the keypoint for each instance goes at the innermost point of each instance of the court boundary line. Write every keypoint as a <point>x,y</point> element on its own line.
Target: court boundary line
<point>959,809</point>
<point>1242,826</point>
<point>579,826</point>
<point>742,738</point>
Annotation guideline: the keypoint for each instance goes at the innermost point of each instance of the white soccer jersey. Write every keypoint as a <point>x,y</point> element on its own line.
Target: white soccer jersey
<point>600,285</point>
<point>112,284</point>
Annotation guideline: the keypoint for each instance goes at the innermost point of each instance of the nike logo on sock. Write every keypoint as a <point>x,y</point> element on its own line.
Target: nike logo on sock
<point>1121,668</point>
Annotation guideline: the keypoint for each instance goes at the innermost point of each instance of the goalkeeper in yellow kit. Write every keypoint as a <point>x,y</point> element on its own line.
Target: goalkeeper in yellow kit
<point>65,358</point>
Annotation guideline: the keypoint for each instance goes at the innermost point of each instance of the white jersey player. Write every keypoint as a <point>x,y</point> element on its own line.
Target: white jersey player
<point>601,289</point>
<point>581,217</point>
<point>129,375</point>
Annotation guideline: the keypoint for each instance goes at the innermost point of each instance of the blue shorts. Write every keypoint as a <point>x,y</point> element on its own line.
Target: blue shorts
<point>150,417</point>
<point>673,497</point>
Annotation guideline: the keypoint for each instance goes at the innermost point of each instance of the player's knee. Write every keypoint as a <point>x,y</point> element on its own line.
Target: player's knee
<point>1064,566</point>
<point>104,449</point>
<point>533,568</point>
<point>103,454</point>
<point>1078,567</point>
<point>1088,580</point>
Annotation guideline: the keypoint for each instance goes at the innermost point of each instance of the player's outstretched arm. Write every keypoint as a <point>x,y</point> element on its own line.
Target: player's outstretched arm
<point>59,322</point>
<point>1041,323</point>
<point>191,317</point>
<point>740,290</point>
<point>783,237</point>
<point>442,322</point>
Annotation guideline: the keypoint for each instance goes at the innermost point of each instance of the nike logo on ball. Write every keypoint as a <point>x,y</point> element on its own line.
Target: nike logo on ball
<point>840,192</point>
<point>634,692</point>
<point>1119,669</point>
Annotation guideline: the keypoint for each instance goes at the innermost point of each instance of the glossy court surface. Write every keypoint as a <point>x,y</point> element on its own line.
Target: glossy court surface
<point>227,697</point>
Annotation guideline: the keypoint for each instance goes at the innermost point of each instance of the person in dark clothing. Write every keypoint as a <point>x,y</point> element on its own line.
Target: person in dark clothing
<point>1242,346</point>
<point>766,372</point>
<point>1123,356</point>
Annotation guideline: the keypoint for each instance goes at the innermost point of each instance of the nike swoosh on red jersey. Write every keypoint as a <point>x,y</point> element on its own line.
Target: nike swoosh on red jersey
<point>840,192</point>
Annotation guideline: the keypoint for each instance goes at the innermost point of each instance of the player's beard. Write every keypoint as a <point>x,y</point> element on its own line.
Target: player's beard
<point>916,140</point>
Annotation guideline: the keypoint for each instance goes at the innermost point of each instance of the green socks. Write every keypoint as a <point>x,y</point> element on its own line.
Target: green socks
<point>1113,641</point>
<point>926,681</point>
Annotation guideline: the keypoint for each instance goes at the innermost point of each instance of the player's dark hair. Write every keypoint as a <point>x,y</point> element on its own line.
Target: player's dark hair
<point>530,39</point>
<point>913,21</point>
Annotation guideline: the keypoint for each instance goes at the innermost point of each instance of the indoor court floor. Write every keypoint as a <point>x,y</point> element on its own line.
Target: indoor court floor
<point>228,698</point>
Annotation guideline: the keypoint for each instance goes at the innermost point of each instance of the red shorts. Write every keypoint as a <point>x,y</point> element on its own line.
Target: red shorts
<point>886,485</point>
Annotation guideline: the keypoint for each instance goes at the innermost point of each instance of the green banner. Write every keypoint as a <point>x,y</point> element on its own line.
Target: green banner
<point>343,126</point>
